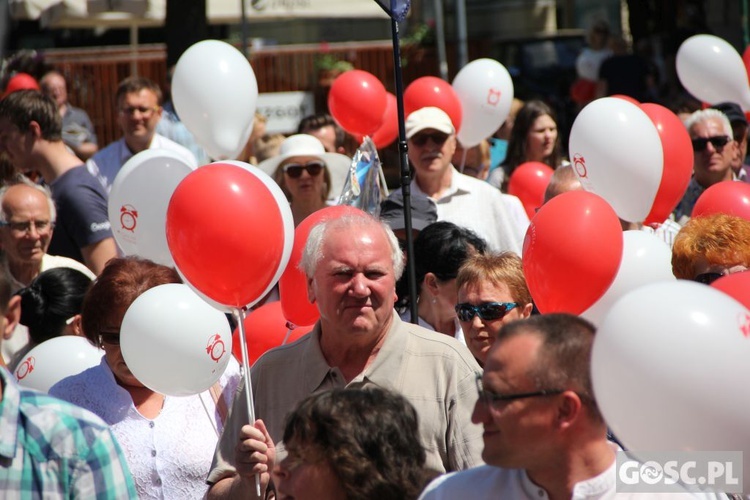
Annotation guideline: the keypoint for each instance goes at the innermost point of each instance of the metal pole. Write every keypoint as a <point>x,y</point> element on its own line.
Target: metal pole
<point>403,149</point>
<point>440,39</point>
<point>461,32</point>
<point>243,13</point>
<point>133,49</point>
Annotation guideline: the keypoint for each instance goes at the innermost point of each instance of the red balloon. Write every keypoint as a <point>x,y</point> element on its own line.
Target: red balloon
<point>297,309</point>
<point>528,181</point>
<point>746,60</point>
<point>388,131</point>
<point>432,91</point>
<point>21,81</point>
<point>357,100</point>
<point>678,162</point>
<point>265,328</point>
<point>736,285</point>
<point>583,91</point>
<point>572,252</point>
<point>626,98</point>
<point>728,197</point>
<point>227,234</point>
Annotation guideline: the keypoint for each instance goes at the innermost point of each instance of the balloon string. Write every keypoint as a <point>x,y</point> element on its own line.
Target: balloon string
<point>208,414</point>
<point>290,327</point>
<point>240,316</point>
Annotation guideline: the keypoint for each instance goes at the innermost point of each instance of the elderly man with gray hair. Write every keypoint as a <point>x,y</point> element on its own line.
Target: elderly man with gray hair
<point>352,264</point>
<point>27,221</point>
<point>714,151</point>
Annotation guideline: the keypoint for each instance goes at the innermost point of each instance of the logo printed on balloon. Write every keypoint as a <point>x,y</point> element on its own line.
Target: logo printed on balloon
<point>493,97</point>
<point>128,217</point>
<point>215,347</point>
<point>25,368</point>
<point>579,164</point>
<point>744,321</point>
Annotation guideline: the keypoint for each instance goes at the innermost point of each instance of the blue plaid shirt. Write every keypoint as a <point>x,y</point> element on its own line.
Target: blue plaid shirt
<point>52,449</point>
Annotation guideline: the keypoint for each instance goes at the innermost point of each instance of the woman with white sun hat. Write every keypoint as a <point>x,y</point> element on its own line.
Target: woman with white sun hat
<point>310,177</point>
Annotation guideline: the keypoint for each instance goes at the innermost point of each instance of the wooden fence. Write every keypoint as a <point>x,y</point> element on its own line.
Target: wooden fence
<point>93,74</point>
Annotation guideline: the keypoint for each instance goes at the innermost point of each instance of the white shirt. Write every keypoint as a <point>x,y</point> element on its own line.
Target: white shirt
<point>169,456</point>
<point>492,482</point>
<point>478,206</point>
<point>105,164</point>
<point>458,334</point>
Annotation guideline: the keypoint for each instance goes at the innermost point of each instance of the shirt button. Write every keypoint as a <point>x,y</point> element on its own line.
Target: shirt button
<point>158,482</point>
<point>153,453</point>
<point>151,424</point>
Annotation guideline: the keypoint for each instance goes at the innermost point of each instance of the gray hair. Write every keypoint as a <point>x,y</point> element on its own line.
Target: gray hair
<point>707,114</point>
<point>22,180</point>
<point>313,251</point>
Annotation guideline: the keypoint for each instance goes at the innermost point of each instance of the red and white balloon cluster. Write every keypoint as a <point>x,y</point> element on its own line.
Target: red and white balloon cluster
<point>478,102</point>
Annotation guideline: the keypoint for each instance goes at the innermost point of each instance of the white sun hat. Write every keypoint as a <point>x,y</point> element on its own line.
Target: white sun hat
<point>308,145</point>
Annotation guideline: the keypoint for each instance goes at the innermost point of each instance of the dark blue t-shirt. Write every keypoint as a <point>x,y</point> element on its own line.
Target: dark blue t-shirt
<point>82,217</point>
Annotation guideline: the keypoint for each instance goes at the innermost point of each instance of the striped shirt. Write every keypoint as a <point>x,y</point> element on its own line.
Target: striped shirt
<point>52,449</point>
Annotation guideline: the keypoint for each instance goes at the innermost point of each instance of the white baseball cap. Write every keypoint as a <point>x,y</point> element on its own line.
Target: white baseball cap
<point>428,118</point>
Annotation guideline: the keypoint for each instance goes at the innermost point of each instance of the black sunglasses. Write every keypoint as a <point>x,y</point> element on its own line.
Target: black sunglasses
<point>707,278</point>
<point>294,170</point>
<point>109,339</point>
<point>718,142</point>
<point>491,399</point>
<point>488,311</point>
<point>437,137</point>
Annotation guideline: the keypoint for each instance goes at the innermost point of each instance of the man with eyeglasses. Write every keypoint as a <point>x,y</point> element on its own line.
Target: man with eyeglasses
<point>138,101</point>
<point>27,220</point>
<point>544,436</point>
<point>352,264</point>
<point>31,135</point>
<point>461,199</point>
<point>714,150</point>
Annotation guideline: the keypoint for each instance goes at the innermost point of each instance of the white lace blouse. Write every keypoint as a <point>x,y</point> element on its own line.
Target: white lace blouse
<point>170,455</point>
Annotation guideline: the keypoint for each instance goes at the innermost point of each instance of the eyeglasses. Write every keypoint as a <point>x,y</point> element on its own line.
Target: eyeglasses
<point>109,339</point>
<point>707,278</point>
<point>492,399</point>
<point>144,111</point>
<point>488,311</point>
<point>294,170</point>
<point>718,142</point>
<point>24,227</point>
<point>437,137</point>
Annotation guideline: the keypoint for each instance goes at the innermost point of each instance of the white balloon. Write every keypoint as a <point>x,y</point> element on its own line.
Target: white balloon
<point>616,153</point>
<point>645,259</point>
<point>485,90</point>
<point>215,94</point>
<point>173,342</point>
<point>55,359</point>
<point>670,371</point>
<point>702,55</point>
<point>139,199</point>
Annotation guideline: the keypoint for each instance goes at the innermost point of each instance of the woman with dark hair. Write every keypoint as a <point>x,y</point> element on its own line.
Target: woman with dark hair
<point>534,138</point>
<point>355,444</point>
<point>168,441</point>
<point>439,251</point>
<point>51,306</point>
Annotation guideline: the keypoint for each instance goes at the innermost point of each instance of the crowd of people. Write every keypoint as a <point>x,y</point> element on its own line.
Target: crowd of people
<point>477,395</point>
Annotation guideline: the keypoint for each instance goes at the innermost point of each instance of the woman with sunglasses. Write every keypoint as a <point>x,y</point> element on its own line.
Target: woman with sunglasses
<point>439,251</point>
<point>309,176</point>
<point>492,291</point>
<point>711,246</point>
<point>167,441</point>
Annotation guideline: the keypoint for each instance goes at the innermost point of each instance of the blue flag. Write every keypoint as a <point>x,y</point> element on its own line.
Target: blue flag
<point>397,8</point>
